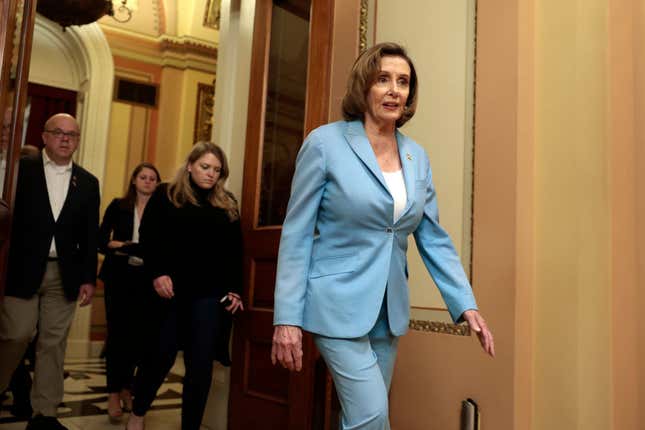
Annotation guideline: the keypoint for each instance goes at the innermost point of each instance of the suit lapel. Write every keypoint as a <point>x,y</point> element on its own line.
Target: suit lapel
<point>71,191</point>
<point>42,184</point>
<point>407,165</point>
<point>357,139</point>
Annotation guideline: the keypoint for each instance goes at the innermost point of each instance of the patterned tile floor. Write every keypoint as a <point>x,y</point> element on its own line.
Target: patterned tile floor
<point>85,401</point>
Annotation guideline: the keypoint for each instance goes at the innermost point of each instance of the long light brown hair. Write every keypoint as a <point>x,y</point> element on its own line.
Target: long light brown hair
<point>363,76</point>
<point>181,192</point>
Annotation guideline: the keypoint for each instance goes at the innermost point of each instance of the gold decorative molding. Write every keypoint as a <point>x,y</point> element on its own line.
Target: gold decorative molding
<point>362,28</point>
<point>165,50</point>
<point>186,45</point>
<point>204,112</point>
<point>440,327</point>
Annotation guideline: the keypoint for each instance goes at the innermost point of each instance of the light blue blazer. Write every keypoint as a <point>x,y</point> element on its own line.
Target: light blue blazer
<point>340,250</point>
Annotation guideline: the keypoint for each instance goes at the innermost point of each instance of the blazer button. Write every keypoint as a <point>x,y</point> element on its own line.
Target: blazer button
<point>389,229</point>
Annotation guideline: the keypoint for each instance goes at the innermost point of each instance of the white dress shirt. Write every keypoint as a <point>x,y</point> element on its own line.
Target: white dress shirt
<point>58,179</point>
<point>396,185</point>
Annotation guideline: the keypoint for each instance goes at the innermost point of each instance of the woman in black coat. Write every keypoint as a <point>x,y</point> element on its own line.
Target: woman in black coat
<point>125,284</point>
<point>191,241</point>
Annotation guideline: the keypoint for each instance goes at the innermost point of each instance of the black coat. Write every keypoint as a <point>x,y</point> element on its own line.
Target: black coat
<point>117,224</point>
<point>199,248</point>
<point>76,231</point>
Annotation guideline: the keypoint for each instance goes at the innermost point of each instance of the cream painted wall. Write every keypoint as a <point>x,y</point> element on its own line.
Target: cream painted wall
<point>439,36</point>
<point>52,64</point>
<point>126,148</point>
<point>168,132</point>
<point>572,301</point>
<point>190,18</point>
<point>117,156</point>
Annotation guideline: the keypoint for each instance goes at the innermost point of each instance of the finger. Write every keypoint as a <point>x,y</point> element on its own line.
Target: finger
<point>298,363</point>
<point>474,325</point>
<point>487,342</point>
<point>280,356</point>
<point>491,344</point>
<point>287,360</point>
<point>273,357</point>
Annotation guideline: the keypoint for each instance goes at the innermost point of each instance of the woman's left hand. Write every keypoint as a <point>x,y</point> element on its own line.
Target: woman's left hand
<point>477,323</point>
<point>236,302</point>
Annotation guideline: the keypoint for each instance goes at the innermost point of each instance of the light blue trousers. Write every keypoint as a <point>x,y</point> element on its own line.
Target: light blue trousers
<point>362,372</point>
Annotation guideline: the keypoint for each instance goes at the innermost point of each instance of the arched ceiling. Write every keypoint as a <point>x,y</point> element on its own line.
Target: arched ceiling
<point>175,18</point>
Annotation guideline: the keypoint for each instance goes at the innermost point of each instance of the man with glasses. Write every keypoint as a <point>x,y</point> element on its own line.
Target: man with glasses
<point>52,263</point>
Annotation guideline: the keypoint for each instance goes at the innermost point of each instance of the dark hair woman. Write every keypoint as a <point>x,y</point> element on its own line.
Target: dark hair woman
<point>193,250</point>
<point>125,283</point>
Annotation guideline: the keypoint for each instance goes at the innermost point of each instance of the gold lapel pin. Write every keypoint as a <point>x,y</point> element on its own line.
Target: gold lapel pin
<point>408,156</point>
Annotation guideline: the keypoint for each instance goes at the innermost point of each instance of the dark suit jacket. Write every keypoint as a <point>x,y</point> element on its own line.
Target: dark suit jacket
<point>117,224</point>
<point>76,231</point>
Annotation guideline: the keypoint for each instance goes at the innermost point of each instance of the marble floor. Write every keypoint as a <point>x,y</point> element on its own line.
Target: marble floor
<point>84,404</point>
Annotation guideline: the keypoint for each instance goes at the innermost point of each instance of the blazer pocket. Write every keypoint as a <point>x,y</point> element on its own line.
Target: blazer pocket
<point>333,265</point>
<point>420,183</point>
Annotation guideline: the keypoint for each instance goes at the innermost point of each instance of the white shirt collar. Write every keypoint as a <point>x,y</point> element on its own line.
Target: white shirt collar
<point>50,162</point>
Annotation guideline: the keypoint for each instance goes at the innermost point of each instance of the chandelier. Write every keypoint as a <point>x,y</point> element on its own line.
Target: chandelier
<point>122,10</point>
<point>73,12</point>
<point>80,12</point>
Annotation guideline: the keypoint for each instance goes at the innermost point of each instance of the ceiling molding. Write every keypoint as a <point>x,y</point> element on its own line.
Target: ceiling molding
<point>166,51</point>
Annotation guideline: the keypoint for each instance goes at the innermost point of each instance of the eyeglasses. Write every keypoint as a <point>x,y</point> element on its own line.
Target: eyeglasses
<point>58,134</point>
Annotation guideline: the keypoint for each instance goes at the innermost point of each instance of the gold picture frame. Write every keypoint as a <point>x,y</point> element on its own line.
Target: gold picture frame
<point>212,14</point>
<point>204,112</point>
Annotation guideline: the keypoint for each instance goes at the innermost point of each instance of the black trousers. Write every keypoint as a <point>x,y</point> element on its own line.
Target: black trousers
<point>192,324</point>
<point>125,310</point>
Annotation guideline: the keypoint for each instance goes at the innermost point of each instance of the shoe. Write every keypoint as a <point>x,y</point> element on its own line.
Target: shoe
<point>21,410</point>
<point>143,424</point>
<point>41,422</point>
<point>115,413</point>
<point>126,400</point>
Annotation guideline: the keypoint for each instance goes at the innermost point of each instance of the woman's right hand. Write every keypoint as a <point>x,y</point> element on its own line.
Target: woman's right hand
<point>163,286</point>
<point>287,347</point>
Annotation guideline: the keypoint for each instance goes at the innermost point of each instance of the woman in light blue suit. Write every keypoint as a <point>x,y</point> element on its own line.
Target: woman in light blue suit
<point>359,190</point>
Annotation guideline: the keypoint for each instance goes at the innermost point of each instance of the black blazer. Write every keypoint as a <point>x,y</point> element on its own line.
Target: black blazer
<point>76,231</point>
<point>117,224</point>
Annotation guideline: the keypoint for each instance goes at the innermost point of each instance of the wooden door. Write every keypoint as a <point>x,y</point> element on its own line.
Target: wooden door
<point>289,96</point>
<point>15,53</point>
<point>44,101</point>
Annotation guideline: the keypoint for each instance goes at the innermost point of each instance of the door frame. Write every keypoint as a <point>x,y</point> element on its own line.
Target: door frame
<point>261,243</point>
